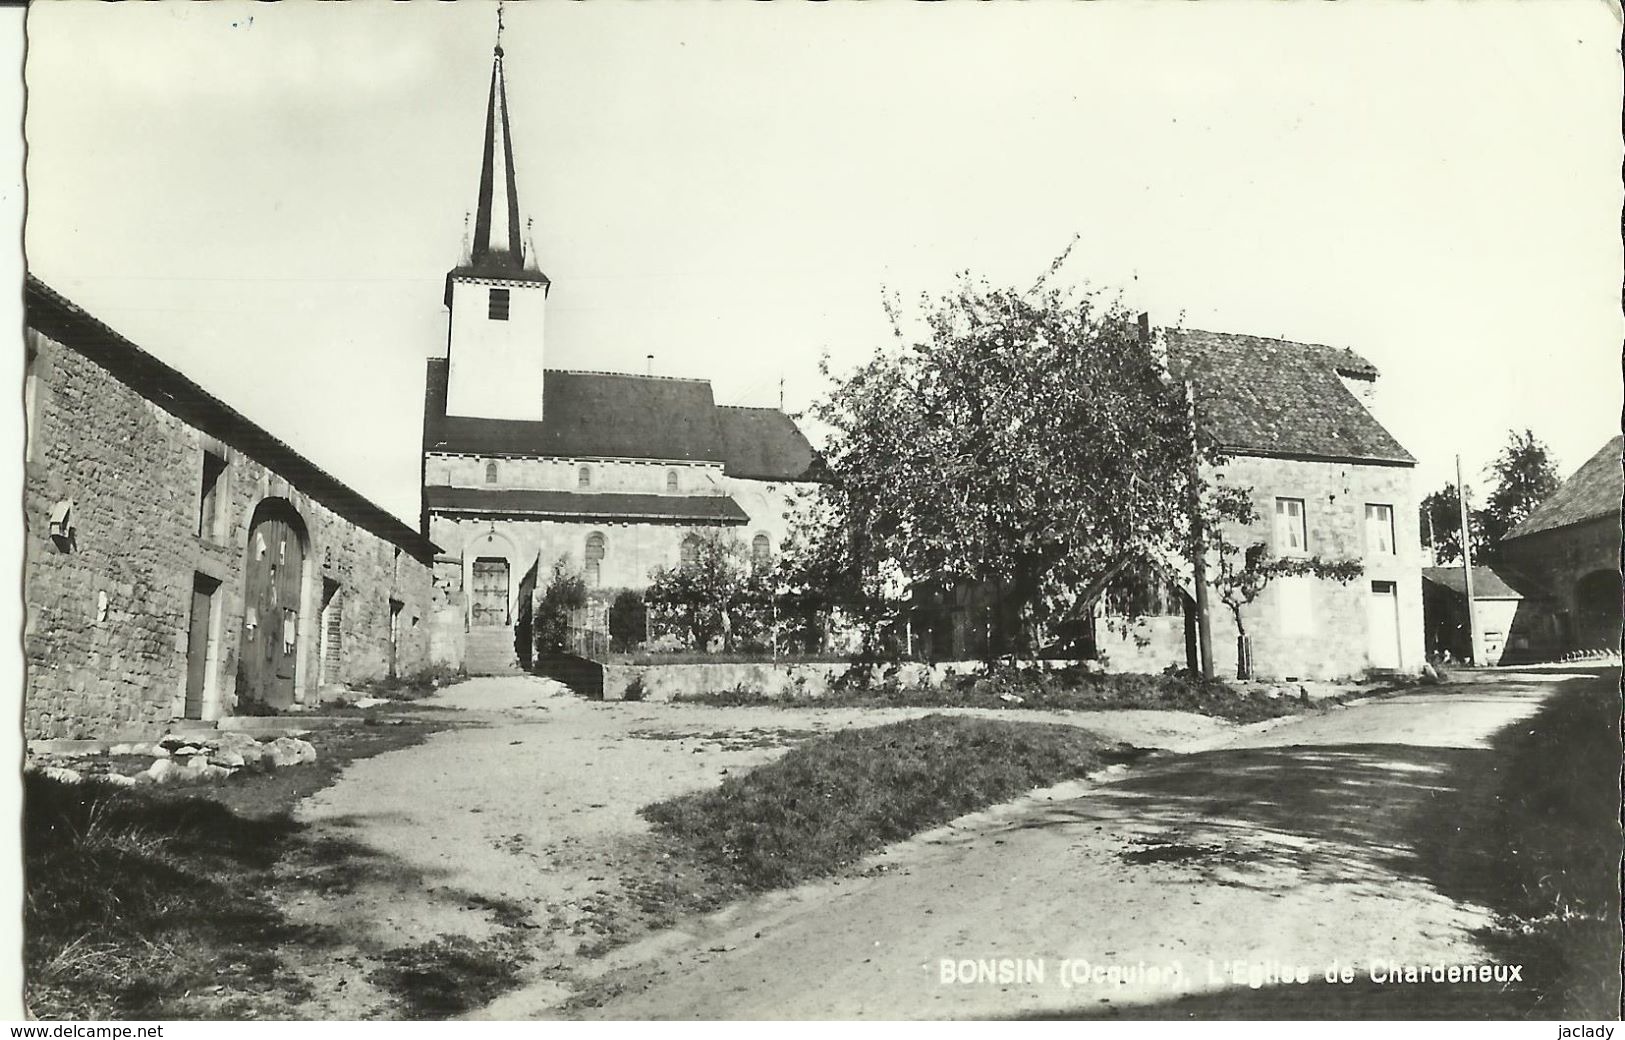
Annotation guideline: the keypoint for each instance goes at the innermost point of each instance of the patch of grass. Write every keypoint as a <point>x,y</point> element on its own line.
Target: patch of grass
<point>450,975</point>
<point>131,904</point>
<point>1063,689</point>
<point>1548,860</point>
<point>423,683</point>
<point>157,902</point>
<point>835,798</point>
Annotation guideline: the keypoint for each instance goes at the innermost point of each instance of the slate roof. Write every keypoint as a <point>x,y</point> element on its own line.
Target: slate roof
<point>1593,491</point>
<point>1262,396</point>
<point>54,315</point>
<point>621,416</point>
<point>578,505</point>
<point>763,444</point>
<point>1488,582</point>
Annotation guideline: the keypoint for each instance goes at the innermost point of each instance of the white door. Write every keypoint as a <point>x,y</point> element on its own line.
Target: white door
<point>1382,624</point>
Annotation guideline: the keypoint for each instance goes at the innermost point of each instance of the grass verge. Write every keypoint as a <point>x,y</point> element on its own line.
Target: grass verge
<point>1063,689</point>
<point>159,902</point>
<point>834,799</point>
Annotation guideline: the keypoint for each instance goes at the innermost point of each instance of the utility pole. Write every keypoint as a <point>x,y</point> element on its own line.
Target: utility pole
<point>1467,568</point>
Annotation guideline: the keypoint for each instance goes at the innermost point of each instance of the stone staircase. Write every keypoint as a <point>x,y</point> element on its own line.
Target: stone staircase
<point>489,651</point>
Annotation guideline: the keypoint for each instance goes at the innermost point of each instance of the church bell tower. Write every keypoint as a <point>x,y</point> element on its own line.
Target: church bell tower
<point>497,296</point>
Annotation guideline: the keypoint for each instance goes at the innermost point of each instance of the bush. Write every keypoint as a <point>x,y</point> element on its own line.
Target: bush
<point>628,621</point>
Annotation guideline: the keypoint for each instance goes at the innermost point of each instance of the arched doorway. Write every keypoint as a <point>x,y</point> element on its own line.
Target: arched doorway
<point>273,589</point>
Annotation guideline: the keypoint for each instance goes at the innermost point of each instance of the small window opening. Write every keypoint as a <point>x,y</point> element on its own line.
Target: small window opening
<point>761,551</point>
<point>671,480</point>
<point>491,472</point>
<point>584,477</point>
<point>499,305</point>
<point>211,499</point>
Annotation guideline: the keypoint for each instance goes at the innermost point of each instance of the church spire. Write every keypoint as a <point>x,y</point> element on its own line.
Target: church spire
<point>496,222</point>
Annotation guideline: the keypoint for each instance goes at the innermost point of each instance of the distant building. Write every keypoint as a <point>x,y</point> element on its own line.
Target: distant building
<point>526,465</point>
<point>1515,622</point>
<point>1570,546</point>
<point>181,562</point>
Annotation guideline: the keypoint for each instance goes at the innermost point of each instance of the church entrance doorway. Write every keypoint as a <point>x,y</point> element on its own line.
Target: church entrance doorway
<point>490,586</point>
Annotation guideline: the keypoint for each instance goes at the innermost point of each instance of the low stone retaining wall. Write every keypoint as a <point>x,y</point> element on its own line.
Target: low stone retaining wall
<point>669,682</point>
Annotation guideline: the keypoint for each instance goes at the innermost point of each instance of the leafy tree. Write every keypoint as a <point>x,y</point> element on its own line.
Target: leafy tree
<point>564,597</point>
<point>1243,572</point>
<point>711,595</point>
<point>628,619</point>
<point>1525,475</point>
<point>1024,438</point>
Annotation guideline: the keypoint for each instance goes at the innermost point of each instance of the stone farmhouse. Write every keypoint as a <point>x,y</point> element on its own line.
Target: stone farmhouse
<point>525,465</point>
<point>1326,480</point>
<point>1570,546</point>
<point>180,562</point>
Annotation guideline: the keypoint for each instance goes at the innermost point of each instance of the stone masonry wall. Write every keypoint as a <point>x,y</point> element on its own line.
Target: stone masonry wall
<point>107,616</point>
<point>1334,640</point>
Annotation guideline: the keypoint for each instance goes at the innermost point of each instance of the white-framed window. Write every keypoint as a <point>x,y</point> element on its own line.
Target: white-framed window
<point>688,554</point>
<point>1379,529</point>
<point>498,309</point>
<point>584,477</point>
<point>1291,527</point>
<point>671,480</point>
<point>761,551</point>
<point>491,471</point>
<point>595,558</point>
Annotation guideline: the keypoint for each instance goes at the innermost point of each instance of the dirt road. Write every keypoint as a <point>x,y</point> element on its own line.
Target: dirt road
<point>1302,844</point>
<point>529,810</point>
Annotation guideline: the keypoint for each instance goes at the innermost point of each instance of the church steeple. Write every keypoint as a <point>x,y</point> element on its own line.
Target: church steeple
<point>496,297</point>
<point>497,243</point>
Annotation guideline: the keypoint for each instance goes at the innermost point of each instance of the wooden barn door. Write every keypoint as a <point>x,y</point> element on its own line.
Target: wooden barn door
<point>270,646</point>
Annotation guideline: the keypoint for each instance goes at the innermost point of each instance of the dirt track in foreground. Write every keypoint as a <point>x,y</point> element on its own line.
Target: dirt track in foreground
<point>1300,843</point>
<point>531,811</point>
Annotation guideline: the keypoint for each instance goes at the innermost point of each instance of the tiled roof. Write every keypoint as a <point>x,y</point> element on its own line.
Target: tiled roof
<point>1275,397</point>
<point>763,444</point>
<point>54,315</point>
<point>577,505</point>
<point>1488,582</point>
<point>620,416</point>
<point>1593,491</point>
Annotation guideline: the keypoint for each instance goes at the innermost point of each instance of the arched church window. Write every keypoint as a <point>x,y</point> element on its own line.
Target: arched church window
<point>491,472</point>
<point>761,551</point>
<point>584,477</point>
<point>595,558</point>
<point>689,553</point>
<point>671,480</point>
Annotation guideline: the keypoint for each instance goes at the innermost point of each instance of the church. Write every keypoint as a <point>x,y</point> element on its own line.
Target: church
<point>615,474</point>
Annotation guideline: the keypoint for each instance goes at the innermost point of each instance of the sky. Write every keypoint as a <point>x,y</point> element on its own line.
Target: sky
<point>269,197</point>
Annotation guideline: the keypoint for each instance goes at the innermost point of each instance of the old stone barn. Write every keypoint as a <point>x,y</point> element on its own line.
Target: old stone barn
<point>1570,545</point>
<point>180,561</point>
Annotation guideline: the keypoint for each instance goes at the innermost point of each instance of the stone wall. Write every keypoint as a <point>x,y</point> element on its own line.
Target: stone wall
<point>632,550</point>
<point>107,613</point>
<point>631,476</point>
<point>1312,628</point>
<point>1561,560</point>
